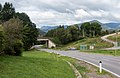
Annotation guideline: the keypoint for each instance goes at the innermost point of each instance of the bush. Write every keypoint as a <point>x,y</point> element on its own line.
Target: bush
<point>18,48</point>
<point>1,40</point>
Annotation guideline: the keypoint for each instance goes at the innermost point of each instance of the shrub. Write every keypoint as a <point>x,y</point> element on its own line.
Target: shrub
<point>18,47</point>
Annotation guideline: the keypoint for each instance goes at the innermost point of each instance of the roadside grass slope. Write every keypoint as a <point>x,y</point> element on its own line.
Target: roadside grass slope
<point>39,64</point>
<point>113,38</point>
<point>35,64</point>
<point>99,44</point>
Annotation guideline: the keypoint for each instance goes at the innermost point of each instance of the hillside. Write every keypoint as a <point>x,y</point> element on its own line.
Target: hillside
<point>99,44</point>
<point>113,38</point>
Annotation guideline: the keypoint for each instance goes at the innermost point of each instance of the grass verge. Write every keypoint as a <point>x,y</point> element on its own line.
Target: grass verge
<point>34,64</point>
<point>106,52</point>
<point>39,64</point>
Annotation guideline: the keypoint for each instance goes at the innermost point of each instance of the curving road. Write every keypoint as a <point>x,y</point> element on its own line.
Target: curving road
<point>110,41</point>
<point>110,63</point>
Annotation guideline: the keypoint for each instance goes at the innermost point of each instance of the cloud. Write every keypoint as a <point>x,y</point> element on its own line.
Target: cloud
<point>55,12</point>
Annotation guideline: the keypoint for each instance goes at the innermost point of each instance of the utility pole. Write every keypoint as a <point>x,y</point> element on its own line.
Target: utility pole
<point>116,43</point>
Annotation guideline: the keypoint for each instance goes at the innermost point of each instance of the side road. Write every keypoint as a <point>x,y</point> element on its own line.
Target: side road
<point>110,63</point>
<point>110,41</point>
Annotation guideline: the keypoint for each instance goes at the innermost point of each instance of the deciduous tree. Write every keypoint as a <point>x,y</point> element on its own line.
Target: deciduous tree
<point>13,36</point>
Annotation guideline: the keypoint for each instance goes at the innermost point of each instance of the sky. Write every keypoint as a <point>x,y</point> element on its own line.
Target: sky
<point>67,12</point>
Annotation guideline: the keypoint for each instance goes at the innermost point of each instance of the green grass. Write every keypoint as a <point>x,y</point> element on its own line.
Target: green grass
<point>39,64</point>
<point>35,64</point>
<point>113,38</point>
<point>80,68</point>
<point>106,52</point>
<point>99,44</point>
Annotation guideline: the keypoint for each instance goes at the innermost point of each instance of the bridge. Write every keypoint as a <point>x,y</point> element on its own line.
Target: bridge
<point>47,42</point>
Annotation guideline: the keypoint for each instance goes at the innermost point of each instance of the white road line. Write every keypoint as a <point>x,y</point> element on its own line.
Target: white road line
<point>103,68</point>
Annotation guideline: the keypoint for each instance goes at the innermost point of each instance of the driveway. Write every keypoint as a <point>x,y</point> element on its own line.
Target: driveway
<point>110,63</point>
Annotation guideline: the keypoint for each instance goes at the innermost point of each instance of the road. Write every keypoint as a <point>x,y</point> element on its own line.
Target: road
<point>110,41</point>
<point>110,63</point>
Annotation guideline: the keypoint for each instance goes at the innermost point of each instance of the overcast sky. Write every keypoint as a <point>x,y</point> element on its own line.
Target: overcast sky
<point>56,12</point>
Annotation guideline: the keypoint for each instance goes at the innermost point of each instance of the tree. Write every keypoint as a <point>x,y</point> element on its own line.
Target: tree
<point>0,7</point>
<point>64,35</point>
<point>85,28</point>
<point>0,12</point>
<point>96,29</point>
<point>18,30</point>
<point>13,36</point>
<point>91,29</point>
<point>30,32</point>
<point>74,31</point>
<point>67,37</point>
<point>1,39</point>
<point>7,12</point>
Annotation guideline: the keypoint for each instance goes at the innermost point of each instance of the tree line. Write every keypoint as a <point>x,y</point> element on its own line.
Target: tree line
<point>17,32</point>
<point>62,35</point>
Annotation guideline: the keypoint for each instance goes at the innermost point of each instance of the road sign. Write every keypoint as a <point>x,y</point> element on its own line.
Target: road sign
<point>83,47</point>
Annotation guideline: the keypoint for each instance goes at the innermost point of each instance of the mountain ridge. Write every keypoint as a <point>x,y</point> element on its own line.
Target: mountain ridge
<point>105,26</point>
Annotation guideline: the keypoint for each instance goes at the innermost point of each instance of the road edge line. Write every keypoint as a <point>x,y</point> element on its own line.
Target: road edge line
<point>103,68</point>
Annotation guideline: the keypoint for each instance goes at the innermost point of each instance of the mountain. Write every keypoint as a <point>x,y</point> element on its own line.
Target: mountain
<point>47,28</point>
<point>113,25</point>
<point>108,26</point>
<point>41,32</point>
<point>105,26</point>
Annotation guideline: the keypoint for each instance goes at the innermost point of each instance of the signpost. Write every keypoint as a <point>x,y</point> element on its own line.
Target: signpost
<point>83,47</point>
<point>100,64</point>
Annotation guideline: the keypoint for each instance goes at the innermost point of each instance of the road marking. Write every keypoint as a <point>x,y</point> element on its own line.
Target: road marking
<point>102,68</point>
<point>89,63</point>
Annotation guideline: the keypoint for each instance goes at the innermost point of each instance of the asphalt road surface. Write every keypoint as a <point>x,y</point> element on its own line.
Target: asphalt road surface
<point>110,41</point>
<point>109,63</point>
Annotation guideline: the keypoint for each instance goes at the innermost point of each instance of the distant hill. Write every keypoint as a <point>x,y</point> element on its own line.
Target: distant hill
<point>41,32</point>
<point>108,26</point>
<point>47,28</point>
<point>112,25</point>
<point>105,26</point>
